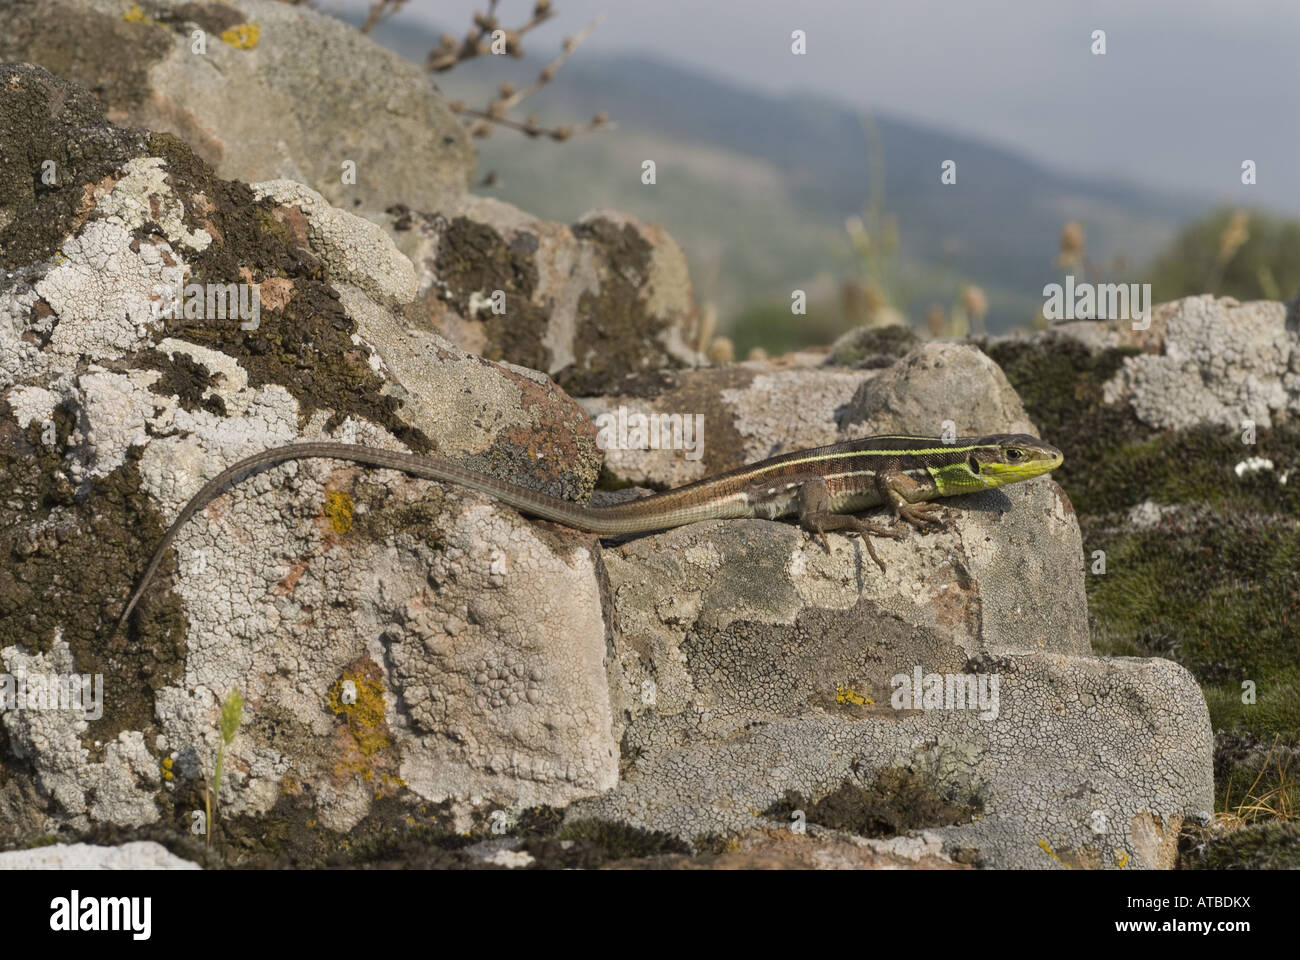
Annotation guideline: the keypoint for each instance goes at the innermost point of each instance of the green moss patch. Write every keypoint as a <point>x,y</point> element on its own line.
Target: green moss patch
<point>895,802</point>
<point>67,562</point>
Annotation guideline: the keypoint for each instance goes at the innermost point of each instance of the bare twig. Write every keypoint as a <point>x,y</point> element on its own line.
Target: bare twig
<point>478,41</point>
<point>508,97</point>
<point>379,10</point>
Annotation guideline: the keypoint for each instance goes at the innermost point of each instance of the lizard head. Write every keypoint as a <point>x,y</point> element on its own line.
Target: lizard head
<point>995,461</point>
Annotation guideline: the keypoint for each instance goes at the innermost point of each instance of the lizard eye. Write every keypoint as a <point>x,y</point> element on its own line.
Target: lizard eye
<point>1014,455</point>
<point>973,465</point>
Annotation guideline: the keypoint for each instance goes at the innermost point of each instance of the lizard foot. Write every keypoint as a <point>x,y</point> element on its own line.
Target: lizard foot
<point>820,523</point>
<point>920,514</point>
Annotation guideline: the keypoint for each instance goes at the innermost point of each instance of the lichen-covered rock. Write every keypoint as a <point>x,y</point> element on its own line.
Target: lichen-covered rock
<point>720,417</point>
<point>279,91</point>
<point>295,586</point>
<point>1220,362</point>
<point>1089,762</point>
<point>589,304</point>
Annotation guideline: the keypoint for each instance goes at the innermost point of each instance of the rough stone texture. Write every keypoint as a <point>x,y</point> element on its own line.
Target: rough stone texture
<point>760,409</point>
<point>589,304</point>
<point>750,411</point>
<point>304,579</point>
<point>936,382</point>
<point>777,678</point>
<point>1220,362</point>
<point>137,855</point>
<point>299,98</point>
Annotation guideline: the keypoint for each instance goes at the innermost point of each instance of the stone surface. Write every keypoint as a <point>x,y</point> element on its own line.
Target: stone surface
<point>296,585</point>
<point>295,99</point>
<point>137,855</point>
<point>589,304</point>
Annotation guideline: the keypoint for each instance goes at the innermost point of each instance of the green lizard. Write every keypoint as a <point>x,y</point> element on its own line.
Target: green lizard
<point>823,487</point>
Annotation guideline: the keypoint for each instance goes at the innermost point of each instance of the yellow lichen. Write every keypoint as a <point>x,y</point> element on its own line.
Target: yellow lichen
<point>167,769</point>
<point>365,715</point>
<point>135,15</point>
<point>1121,858</point>
<point>242,37</point>
<point>339,510</point>
<point>849,695</point>
<point>1047,848</point>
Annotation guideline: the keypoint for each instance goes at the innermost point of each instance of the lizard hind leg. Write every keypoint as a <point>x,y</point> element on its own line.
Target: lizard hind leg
<point>815,517</point>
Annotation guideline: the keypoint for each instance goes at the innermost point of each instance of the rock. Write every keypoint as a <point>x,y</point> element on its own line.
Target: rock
<point>411,652</point>
<point>719,418</point>
<point>137,855</point>
<point>281,91</point>
<point>872,346</point>
<point>589,304</point>
<point>112,415</point>
<point>935,382</point>
<point>1221,363</point>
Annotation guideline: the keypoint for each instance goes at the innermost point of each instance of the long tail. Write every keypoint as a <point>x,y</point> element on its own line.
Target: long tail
<point>605,521</point>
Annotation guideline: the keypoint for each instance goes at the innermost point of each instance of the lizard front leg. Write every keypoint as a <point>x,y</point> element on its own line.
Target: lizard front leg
<point>816,517</point>
<point>906,499</point>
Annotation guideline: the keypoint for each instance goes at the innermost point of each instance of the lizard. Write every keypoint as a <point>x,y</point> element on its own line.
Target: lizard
<point>823,487</point>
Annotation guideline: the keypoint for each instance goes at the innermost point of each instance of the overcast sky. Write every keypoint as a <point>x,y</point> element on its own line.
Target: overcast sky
<point>1186,91</point>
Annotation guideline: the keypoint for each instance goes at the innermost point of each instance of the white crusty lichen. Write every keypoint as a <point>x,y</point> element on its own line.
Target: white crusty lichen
<point>354,250</point>
<point>103,292</point>
<point>143,194</point>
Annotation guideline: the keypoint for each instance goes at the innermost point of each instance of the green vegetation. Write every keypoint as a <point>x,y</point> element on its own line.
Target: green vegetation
<point>1234,253</point>
<point>232,711</point>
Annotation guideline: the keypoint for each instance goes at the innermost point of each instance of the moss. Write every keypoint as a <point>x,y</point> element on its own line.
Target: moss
<point>896,801</point>
<point>184,378</point>
<point>1219,592</point>
<point>869,347</point>
<point>614,333</point>
<point>384,517</point>
<point>306,346</point>
<point>67,561</point>
<point>44,118</point>
<point>587,844</point>
<point>1260,846</point>
<point>1112,460</point>
<point>475,259</point>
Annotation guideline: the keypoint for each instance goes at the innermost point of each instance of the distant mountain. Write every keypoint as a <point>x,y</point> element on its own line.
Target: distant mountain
<point>756,188</point>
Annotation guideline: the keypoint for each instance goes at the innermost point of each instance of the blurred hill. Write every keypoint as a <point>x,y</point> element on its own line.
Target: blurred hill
<point>756,188</point>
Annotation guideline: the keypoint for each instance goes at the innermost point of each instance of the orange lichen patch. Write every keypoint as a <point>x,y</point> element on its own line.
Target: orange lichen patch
<point>295,574</point>
<point>275,292</point>
<point>365,741</point>
<point>201,208</point>
<point>91,194</point>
